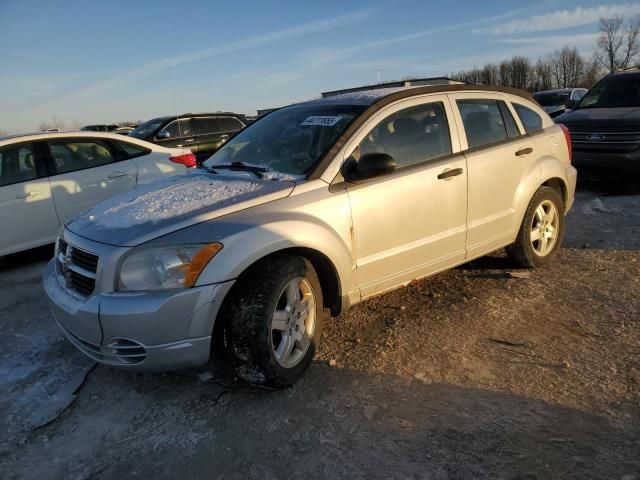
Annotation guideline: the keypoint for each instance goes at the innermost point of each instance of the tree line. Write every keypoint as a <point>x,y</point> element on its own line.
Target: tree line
<point>617,47</point>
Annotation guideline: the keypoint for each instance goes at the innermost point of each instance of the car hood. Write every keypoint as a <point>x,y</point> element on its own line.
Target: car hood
<point>609,117</point>
<point>162,207</point>
<point>554,109</point>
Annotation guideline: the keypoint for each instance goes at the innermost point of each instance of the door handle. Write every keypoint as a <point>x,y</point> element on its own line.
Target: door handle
<point>117,174</point>
<point>27,194</point>
<point>190,140</point>
<point>224,135</point>
<point>524,151</point>
<point>449,174</point>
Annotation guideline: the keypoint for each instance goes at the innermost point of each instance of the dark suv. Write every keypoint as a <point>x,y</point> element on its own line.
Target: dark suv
<point>605,126</point>
<point>203,133</point>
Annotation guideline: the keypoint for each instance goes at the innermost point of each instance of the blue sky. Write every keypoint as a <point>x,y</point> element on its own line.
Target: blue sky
<point>100,62</point>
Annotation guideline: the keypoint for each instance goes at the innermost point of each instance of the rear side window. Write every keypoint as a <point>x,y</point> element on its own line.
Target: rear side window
<point>71,156</point>
<point>230,124</point>
<point>178,128</point>
<point>132,151</point>
<point>483,122</point>
<point>17,164</point>
<point>410,136</point>
<point>531,121</point>
<point>206,125</point>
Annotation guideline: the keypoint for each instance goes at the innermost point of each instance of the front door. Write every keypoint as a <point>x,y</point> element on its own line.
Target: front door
<point>27,213</point>
<point>83,172</point>
<point>177,134</point>
<point>412,222</point>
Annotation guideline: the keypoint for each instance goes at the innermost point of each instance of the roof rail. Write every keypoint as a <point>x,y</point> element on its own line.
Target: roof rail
<point>626,69</point>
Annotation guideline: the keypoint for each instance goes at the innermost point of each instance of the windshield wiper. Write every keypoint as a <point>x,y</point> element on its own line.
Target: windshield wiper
<point>239,166</point>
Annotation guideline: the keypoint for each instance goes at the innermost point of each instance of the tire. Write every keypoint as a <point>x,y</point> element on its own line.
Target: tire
<point>258,337</point>
<point>528,252</point>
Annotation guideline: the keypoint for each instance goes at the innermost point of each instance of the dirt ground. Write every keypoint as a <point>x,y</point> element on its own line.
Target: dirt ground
<point>480,372</point>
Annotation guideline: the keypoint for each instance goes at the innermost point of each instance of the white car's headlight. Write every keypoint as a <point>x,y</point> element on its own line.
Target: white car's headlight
<point>158,268</point>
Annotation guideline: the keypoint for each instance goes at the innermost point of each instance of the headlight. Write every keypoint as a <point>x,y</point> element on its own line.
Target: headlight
<point>158,268</point>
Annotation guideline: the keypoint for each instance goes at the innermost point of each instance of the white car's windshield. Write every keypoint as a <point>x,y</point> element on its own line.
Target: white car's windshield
<point>288,141</point>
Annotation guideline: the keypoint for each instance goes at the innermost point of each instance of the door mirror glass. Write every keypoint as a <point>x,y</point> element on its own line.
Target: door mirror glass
<point>163,135</point>
<point>370,165</point>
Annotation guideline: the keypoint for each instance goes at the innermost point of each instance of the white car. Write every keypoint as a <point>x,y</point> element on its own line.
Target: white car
<point>47,179</point>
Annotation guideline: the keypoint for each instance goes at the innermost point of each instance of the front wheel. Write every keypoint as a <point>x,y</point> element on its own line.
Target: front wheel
<point>541,232</point>
<point>274,320</point>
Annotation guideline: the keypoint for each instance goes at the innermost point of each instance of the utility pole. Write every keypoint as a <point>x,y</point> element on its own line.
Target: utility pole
<point>379,74</point>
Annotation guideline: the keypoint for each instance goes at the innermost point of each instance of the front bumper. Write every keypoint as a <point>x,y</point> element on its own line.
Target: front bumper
<point>624,161</point>
<point>155,331</point>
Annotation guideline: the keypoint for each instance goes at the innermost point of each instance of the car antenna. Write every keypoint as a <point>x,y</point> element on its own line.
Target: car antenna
<point>173,96</point>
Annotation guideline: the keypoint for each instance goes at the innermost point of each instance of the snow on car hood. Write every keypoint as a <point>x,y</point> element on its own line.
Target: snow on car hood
<point>153,210</point>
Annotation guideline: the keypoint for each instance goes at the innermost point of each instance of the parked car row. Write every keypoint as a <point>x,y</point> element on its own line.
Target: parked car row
<point>556,102</point>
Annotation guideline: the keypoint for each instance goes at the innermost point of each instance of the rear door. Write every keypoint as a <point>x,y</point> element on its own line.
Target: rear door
<point>499,157</point>
<point>27,214</point>
<point>84,171</point>
<point>209,136</point>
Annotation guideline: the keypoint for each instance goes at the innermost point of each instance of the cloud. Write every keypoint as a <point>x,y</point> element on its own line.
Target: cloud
<point>562,19</point>
<point>163,64</point>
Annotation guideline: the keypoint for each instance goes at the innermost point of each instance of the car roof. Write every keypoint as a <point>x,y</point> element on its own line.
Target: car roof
<point>560,90</point>
<point>384,96</point>
<point>9,139</point>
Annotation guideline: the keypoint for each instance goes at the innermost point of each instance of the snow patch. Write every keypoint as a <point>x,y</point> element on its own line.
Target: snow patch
<point>167,199</point>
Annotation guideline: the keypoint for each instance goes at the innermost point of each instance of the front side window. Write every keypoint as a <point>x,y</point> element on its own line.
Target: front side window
<point>410,136</point>
<point>483,122</point>
<point>290,140</point>
<point>17,164</point>
<point>206,125</point>
<point>70,156</point>
<point>531,121</point>
<point>178,128</point>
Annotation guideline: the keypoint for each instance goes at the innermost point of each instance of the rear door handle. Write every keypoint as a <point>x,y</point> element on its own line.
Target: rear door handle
<point>448,174</point>
<point>524,151</point>
<point>117,174</point>
<point>20,196</point>
<point>190,140</point>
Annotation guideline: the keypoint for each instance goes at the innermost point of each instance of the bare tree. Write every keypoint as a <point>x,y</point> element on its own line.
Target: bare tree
<point>520,72</point>
<point>504,74</point>
<point>592,73</point>
<point>567,66</point>
<point>543,76</point>
<point>618,45</point>
<point>490,75</point>
<point>53,123</point>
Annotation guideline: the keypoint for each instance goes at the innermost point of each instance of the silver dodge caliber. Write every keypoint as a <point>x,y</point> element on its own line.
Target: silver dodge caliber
<point>311,209</point>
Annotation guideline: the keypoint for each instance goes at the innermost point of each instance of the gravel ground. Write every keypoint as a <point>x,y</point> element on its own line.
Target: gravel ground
<point>480,372</point>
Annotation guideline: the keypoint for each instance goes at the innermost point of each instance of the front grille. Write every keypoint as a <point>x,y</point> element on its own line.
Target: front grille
<point>85,260</point>
<point>580,136</point>
<point>78,268</point>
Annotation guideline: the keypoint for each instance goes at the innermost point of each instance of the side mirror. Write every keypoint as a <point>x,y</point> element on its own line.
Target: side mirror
<point>163,135</point>
<point>370,165</point>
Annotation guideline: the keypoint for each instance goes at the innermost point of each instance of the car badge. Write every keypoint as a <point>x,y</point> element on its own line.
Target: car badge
<point>596,138</point>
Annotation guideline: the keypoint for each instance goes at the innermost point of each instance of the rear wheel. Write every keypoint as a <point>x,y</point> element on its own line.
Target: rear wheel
<point>274,320</point>
<point>542,230</point>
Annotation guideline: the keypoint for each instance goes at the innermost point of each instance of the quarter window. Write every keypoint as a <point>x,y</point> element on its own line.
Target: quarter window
<point>483,122</point>
<point>78,155</point>
<point>17,164</point>
<point>132,151</point>
<point>410,136</point>
<point>178,128</point>
<point>206,125</point>
<point>531,121</point>
<point>230,124</point>
<point>512,129</point>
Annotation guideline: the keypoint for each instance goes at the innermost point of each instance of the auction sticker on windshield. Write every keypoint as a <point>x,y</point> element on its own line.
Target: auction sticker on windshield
<point>320,121</point>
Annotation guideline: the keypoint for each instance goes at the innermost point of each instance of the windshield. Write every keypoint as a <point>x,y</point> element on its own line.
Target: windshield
<point>290,140</point>
<point>551,99</point>
<point>614,92</point>
<point>147,129</point>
